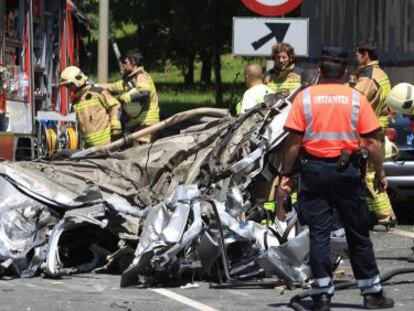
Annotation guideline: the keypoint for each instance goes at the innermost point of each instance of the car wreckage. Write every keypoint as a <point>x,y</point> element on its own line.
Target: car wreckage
<point>180,208</point>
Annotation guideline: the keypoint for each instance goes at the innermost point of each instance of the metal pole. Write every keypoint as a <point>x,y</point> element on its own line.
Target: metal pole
<point>31,78</point>
<point>103,41</point>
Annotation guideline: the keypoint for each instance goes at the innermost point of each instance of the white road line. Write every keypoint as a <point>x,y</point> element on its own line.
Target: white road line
<point>187,301</point>
<point>402,233</point>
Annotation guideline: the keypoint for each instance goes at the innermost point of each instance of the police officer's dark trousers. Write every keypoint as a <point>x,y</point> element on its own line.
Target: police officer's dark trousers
<point>322,188</point>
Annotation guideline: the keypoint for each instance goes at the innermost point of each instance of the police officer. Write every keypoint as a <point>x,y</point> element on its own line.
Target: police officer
<point>374,83</point>
<point>331,121</point>
<point>97,111</point>
<point>283,78</point>
<point>137,94</point>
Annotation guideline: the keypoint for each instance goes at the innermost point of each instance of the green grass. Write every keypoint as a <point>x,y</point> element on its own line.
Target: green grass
<point>175,96</point>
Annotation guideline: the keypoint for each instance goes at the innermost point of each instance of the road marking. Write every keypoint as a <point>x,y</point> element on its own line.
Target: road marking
<point>187,301</point>
<point>400,232</point>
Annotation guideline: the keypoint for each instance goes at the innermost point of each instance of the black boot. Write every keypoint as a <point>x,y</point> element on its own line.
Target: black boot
<point>322,302</point>
<point>378,301</point>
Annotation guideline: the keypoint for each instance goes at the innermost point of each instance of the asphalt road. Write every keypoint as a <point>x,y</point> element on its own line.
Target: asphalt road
<point>101,292</point>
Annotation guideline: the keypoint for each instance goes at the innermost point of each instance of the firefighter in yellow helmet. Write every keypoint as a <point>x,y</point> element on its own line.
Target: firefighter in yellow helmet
<point>97,111</point>
<point>374,83</point>
<point>137,94</point>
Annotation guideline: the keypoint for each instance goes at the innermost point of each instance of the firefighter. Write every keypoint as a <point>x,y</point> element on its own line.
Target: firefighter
<point>331,175</point>
<point>253,77</point>
<point>373,82</point>
<point>401,100</point>
<point>137,94</point>
<point>97,111</point>
<point>283,78</point>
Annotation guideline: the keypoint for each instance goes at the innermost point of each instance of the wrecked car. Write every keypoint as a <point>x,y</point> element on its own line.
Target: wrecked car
<point>179,208</point>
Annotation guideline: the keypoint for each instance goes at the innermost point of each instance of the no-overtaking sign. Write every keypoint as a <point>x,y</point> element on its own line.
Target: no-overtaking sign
<point>256,36</point>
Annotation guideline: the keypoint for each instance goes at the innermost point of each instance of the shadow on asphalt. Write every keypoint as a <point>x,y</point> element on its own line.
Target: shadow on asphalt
<point>391,258</point>
<point>308,305</point>
<point>404,212</point>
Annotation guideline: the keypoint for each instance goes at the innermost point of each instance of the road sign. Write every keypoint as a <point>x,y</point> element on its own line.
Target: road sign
<point>256,36</point>
<point>271,7</point>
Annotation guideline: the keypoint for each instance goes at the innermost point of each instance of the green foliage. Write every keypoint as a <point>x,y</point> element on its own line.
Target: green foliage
<point>175,96</point>
<point>179,40</point>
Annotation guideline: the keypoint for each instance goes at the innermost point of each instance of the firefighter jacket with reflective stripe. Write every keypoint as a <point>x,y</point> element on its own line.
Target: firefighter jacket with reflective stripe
<point>332,117</point>
<point>97,112</point>
<point>139,98</point>
<point>374,83</point>
<point>283,80</point>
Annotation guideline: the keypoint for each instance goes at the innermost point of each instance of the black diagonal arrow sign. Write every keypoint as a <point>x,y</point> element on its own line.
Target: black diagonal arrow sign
<point>277,30</point>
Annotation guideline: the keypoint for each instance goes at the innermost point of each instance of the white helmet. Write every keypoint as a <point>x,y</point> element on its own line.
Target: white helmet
<point>73,75</point>
<point>401,98</point>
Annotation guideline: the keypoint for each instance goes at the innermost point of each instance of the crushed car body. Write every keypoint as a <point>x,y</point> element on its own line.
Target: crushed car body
<point>180,207</point>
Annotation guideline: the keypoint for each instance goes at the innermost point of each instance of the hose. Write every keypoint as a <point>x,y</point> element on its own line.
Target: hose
<point>294,301</point>
<point>177,118</point>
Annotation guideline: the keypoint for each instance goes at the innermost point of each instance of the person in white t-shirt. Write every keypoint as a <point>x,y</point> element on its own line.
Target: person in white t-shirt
<point>253,75</point>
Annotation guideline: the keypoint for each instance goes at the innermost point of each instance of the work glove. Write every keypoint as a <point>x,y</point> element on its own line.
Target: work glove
<point>380,182</point>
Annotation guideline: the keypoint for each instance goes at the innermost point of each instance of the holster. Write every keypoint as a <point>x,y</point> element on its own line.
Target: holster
<point>346,158</point>
<point>364,162</point>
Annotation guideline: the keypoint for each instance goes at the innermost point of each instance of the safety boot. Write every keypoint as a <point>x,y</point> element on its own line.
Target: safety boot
<point>388,221</point>
<point>378,301</point>
<point>322,302</point>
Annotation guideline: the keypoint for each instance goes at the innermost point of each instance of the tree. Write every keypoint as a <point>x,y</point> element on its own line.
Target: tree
<point>179,31</point>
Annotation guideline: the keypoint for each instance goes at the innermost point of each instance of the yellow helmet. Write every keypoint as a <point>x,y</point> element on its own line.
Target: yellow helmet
<point>73,75</point>
<point>401,98</point>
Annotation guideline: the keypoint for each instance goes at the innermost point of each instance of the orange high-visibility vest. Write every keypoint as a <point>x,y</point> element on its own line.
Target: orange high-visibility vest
<point>331,117</point>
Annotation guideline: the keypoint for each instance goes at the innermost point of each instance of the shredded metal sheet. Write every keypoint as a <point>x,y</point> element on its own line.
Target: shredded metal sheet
<point>178,202</point>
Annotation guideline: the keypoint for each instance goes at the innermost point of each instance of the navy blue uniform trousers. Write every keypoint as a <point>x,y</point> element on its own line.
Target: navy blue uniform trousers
<point>322,188</point>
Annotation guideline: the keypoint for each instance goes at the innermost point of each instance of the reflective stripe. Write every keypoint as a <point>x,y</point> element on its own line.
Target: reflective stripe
<point>98,137</point>
<point>332,136</point>
<point>145,116</point>
<point>284,85</point>
<point>87,103</point>
<point>112,102</point>
<point>384,121</point>
<point>308,112</point>
<point>322,286</point>
<point>116,124</point>
<point>323,282</point>
<point>118,86</point>
<point>369,286</point>
<point>311,135</point>
<point>355,110</point>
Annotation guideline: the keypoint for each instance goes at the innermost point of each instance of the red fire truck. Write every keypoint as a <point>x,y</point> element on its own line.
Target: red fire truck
<point>38,39</point>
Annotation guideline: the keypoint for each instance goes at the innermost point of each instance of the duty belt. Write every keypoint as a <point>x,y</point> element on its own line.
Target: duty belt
<point>341,161</point>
